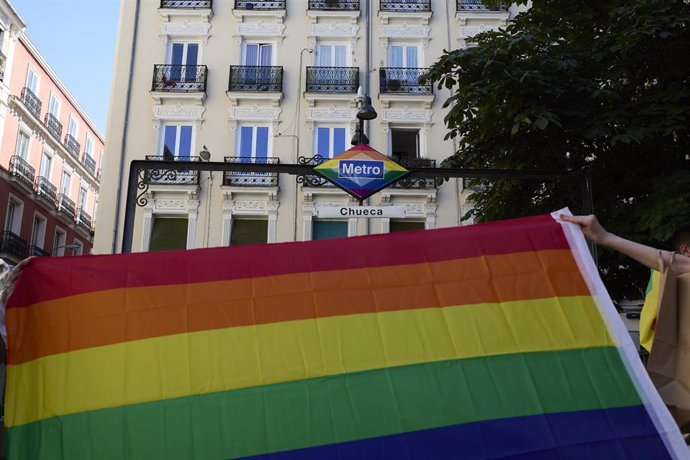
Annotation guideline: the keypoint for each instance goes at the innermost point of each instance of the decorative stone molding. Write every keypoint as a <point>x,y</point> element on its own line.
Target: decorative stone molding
<point>315,16</point>
<point>334,30</point>
<point>407,115</point>
<point>259,29</point>
<point>178,112</point>
<point>185,29</point>
<point>421,16</point>
<point>255,113</point>
<point>405,31</point>
<point>472,23</point>
<point>331,113</point>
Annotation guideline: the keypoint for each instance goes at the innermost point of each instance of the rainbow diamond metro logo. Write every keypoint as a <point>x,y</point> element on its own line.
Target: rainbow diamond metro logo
<point>361,171</point>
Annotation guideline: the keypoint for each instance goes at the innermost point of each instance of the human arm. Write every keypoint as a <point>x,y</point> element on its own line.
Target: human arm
<point>646,255</point>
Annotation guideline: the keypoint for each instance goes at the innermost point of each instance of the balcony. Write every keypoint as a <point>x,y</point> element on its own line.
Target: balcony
<point>72,146</point>
<point>187,4</point>
<point>12,245</point>
<point>45,189</point>
<point>89,163</point>
<point>415,183</point>
<point>66,206</point>
<point>333,5</point>
<point>477,5</point>
<point>32,102</point>
<point>256,79</point>
<point>173,177</point>
<point>332,79</point>
<point>251,179</point>
<point>179,78</point>
<point>259,5</point>
<point>405,6</point>
<point>22,171</point>
<point>3,59</point>
<point>400,80</point>
<point>83,220</point>
<point>37,251</point>
<point>53,125</point>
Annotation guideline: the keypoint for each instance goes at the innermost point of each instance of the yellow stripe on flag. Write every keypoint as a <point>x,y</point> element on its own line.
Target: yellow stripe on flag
<point>232,358</point>
<point>649,311</point>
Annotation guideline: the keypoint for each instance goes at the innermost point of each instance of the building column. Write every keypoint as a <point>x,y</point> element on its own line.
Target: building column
<point>146,229</point>
<point>192,213</point>
<point>272,207</point>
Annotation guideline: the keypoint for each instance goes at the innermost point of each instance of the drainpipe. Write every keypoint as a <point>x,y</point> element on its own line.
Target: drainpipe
<point>121,168</point>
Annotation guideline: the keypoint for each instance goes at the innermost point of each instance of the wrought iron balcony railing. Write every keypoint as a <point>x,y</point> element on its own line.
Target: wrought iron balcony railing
<point>32,102</point>
<point>89,163</point>
<point>53,125</point>
<point>12,244</point>
<point>22,171</point>
<point>66,206</point>
<point>402,80</point>
<point>3,59</point>
<point>45,189</point>
<point>38,251</point>
<point>72,146</point>
<point>171,176</point>
<point>179,78</point>
<point>255,78</point>
<point>417,183</point>
<point>259,5</point>
<point>83,220</point>
<point>187,4</point>
<point>477,5</point>
<point>251,179</point>
<point>309,180</point>
<point>405,5</point>
<point>332,79</point>
<point>334,5</point>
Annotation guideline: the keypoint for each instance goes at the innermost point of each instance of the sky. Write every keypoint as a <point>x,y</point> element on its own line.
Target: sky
<point>77,38</point>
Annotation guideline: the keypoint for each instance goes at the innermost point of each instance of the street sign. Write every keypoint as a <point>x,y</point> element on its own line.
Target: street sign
<point>361,171</point>
<point>360,211</point>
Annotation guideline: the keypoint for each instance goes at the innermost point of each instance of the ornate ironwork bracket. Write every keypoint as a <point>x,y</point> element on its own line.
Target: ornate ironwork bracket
<point>148,176</point>
<point>309,180</point>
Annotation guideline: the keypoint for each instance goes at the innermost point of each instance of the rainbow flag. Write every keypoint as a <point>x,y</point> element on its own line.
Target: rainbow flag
<point>481,342</point>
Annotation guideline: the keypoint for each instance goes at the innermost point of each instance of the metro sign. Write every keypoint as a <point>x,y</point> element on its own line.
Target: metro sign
<point>361,171</point>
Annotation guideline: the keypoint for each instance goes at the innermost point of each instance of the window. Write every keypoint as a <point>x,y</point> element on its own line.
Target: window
<point>22,150</point>
<point>83,193</point>
<point>185,57</point>
<point>177,141</point>
<point>73,127</point>
<point>331,55</point>
<point>38,232</point>
<point>88,146</point>
<point>168,233</point>
<point>54,106</point>
<point>258,54</point>
<point>32,81</point>
<point>79,250</point>
<point>403,56</point>
<point>59,242</point>
<point>249,231</point>
<point>330,141</point>
<point>404,225</point>
<point>253,141</point>
<point>405,145</point>
<point>44,170</point>
<point>325,229</point>
<point>66,182</point>
<point>13,218</point>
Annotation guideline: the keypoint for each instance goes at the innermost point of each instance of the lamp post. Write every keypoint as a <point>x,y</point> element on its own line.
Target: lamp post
<point>365,112</point>
<point>64,246</point>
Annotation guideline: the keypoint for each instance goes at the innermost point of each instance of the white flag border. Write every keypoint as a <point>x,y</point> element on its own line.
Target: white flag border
<point>659,414</point>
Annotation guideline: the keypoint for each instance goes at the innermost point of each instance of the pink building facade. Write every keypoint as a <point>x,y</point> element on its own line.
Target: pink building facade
<point>50,157</point>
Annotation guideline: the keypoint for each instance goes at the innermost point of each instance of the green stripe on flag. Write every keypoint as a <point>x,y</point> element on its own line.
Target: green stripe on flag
<point>335,409</point>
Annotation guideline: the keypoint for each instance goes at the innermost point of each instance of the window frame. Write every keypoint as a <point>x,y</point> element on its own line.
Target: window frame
<point>37,79</point>
<point>53,101</point>
<point>42,230</point>
<point>331,148</point>
<point>178,135</point>
<point>25,155</point>
<point>59,242</point>
<point>255,128</point>
<point>15,224</point>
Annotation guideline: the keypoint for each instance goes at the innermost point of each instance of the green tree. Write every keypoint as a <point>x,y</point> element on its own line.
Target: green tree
<point>601,87</point>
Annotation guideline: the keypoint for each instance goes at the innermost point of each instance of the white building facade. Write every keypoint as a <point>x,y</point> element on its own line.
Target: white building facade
<point>275,82</point>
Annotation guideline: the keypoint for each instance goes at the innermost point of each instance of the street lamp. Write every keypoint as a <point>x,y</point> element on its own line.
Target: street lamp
<point>65,246</point>
<point>365,112</point>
